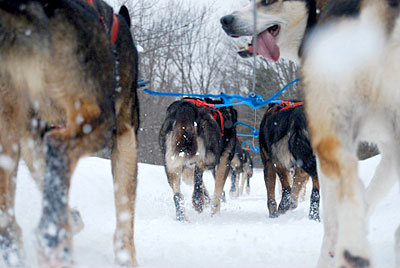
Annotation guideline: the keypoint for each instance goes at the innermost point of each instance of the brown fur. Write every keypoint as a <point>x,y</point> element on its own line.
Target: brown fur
<point>46,80</point>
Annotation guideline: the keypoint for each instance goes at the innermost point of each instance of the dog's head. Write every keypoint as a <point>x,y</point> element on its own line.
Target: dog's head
<point>279,30</point>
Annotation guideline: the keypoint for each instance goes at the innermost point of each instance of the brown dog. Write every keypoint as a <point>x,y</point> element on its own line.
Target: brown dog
<point>71,64</point>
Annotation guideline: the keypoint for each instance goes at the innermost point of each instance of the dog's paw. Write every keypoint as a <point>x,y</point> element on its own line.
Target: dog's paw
<point>53,245</point>
<point>182,218</point>
<point>314,216</point>
<point>198,201</point>
<point>124,259</point>
<point>234,195</point>
<point>274,214</point>
<point>12,257</point>
<point>11,249</point>
<point>352,261</point>
<point>215,207</point>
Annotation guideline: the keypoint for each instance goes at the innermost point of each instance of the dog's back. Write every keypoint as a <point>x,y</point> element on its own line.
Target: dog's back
<point>184,129</point>
<point>190,134</point>
<point>285,146</point>
<point>284,136</point>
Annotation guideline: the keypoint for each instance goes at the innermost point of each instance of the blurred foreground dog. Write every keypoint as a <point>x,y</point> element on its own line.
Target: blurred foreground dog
<point>71,64</point>
<point>194,137</point>
<point>350,54</point>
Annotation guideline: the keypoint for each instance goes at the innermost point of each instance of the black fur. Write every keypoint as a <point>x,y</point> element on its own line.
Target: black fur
<point>289,129</point>
<point>276,125</point>
<point>125,14</point>
<point>195,141</point>
<point>181,116</point>
<point>244,169</point>
<point>98,62</point>
<point>341,8</point>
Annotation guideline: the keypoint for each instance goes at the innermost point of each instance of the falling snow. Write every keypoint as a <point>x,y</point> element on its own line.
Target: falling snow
<point>240,236</point>
<point>6,162</point>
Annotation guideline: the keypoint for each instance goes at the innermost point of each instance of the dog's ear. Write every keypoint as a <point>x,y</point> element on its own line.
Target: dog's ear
<point>124,12</point>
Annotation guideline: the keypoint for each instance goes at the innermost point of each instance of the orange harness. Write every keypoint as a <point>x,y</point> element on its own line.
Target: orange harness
<point>114,27</point>
<point>211,107</point>
<point>284,105</point>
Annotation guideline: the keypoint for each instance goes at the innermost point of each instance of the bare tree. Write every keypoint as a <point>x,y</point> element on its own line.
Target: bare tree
<point>184,50</point>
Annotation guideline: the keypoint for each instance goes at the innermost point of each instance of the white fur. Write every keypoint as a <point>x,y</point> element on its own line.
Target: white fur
<point>290,16</point>
<point>352,77</point>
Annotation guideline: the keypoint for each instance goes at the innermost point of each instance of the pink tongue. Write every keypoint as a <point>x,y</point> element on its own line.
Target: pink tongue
<point>266,46</point>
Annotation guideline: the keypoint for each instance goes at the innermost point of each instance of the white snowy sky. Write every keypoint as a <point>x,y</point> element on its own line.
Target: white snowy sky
<point>227,5</point>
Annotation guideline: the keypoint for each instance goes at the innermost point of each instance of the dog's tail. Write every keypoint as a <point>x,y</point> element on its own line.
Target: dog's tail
<point>300,146</point>
<point>185,129</point>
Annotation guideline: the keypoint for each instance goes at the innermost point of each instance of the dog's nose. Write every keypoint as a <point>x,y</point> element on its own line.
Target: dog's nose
<point>227,20</point>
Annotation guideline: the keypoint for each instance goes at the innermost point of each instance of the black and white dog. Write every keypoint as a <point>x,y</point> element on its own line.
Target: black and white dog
<point>241,171</point>
<point>285,145</point>
<point>194,137</point>
<point>350,54</point>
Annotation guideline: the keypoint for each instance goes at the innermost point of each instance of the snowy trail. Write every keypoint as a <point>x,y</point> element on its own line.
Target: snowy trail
<point>241,236</point>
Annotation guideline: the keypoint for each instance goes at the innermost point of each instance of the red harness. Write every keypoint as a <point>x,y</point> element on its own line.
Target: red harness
<point>284,105</point>
<point>114,27</point>
<point>211,107</point>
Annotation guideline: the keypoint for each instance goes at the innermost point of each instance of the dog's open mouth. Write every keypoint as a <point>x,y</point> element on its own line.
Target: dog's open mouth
<point>266,44</point>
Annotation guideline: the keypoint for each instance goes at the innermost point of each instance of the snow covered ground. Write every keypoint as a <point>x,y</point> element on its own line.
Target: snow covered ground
<point>241,236</point>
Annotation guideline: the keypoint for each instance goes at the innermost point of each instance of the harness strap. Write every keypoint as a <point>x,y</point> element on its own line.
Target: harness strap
<point>114,27</point>
<point>211,107</point>
<point>284,105</point>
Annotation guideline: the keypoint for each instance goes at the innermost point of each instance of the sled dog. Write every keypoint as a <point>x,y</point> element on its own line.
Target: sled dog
<point>285,145</point>
<point>241,171</point>
<point>194,137</point>
<point>349,52</point>
<point>68,77</point>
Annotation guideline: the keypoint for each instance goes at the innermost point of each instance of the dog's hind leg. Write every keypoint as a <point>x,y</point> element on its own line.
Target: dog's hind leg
<point>223,195</point>
<point>198,193</point>
<point>270,182</point>
<point>221,173</point>
<point>299,180</point>
<point>174,181</point>
<point>11,247</point>
<point>329,201</point>
<point>283,175</point>
<point>33,155</point>
<point>124,169</point>
<point>314,201</point>
<point>235,176</point>
<point>385,176</point>
<point>88,127</point>
<point>207,198</point>
<point>248,183</point>
<point>397,247</point>
<point>338,173</point>
<point>243,179</point>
